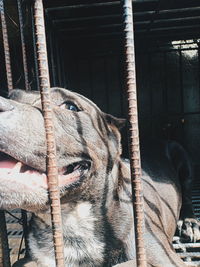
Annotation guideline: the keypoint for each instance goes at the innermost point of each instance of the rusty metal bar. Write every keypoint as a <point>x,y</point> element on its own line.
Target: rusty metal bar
<point>4,247</point>
<point>36,72</point>
<point>52,171</point>
<point>25,231</point>
<point>134,133</point>
<point>6,46</point>
<point>21,24</point>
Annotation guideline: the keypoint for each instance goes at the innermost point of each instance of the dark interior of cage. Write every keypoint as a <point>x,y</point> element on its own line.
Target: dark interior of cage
<point>85,49</point>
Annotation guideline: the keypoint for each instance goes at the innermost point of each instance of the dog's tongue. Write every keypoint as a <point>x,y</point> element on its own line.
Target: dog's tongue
<point>8,164</point>
<point>10,169</point>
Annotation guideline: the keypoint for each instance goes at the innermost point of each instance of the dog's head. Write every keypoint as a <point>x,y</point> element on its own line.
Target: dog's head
<point>87,143</point>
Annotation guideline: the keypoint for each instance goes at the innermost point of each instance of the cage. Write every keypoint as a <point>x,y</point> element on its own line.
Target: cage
<point>85,47</point>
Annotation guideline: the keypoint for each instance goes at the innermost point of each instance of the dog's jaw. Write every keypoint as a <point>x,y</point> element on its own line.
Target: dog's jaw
<point>18,172</point>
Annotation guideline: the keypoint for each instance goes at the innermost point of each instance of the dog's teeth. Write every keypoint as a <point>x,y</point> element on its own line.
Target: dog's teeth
<point>78,166</point>
<point>17,167</point>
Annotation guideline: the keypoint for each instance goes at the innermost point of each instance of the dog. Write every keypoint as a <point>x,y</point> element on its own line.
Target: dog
<point>94,182</point>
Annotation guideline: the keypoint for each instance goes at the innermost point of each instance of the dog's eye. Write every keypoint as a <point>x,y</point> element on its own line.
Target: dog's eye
<point>69,105</point>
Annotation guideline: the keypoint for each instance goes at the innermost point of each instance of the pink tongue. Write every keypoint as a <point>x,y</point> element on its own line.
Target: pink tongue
<point>8,164</point>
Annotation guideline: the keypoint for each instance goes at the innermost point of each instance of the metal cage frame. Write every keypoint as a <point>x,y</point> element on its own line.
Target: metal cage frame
<point>44,85</point>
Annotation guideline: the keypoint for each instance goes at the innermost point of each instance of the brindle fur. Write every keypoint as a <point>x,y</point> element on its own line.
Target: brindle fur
<point>97,211</point>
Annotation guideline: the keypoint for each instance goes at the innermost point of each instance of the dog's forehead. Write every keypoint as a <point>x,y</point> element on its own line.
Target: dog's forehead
<point>60,95</point>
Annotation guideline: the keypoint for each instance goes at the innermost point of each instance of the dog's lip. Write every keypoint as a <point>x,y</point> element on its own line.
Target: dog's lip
<point>15,170</point>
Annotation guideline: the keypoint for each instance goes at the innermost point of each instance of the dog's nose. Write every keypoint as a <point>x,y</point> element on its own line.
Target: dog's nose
<point>5,105</point>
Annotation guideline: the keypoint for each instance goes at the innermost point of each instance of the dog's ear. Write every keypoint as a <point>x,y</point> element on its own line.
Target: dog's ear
<point>117,122</point>
<point>115,125</point>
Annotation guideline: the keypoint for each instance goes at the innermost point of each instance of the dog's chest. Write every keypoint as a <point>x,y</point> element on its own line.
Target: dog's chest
<point>83,244</point>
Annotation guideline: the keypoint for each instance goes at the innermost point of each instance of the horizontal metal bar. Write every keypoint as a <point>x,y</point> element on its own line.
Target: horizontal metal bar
<point>166,50</point>
<point>144,16</point>
<point>194,201</point>
<point>170,28</point>
<point>189,254</point>
<point>74,24</point>
<point>196,197</point>
<point>105,4</point>
<point>175,4</point>
<point>184,114</point>
<point>138,5</point>
<point>196,205</point>
<point>193,263</point>
<point>187,245</point>
<point>60,3</point>
<point>180,24</point>
<point>91,12</point>
<point>176,19</point>
<point>173,33</point>
<point>179,10</point>
<point>169,35</point>
<point>166,14</point>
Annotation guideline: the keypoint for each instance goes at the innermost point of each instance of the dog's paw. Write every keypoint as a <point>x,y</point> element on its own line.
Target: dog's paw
<point>189,229</point>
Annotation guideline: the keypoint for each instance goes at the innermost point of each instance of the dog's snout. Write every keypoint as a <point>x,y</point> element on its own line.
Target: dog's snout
<point>5,105</point>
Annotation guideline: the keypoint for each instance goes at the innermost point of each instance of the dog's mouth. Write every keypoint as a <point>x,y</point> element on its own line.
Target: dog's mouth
<point>16,171</point>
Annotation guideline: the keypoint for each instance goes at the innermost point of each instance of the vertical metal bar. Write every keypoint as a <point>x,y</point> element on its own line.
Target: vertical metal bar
<point>6,46</point>
<point>52,171</point>
<point>35,49</point>
<point>23,44</point>
<point>134,133</point>
<point>182,119</point>
<point>24,214</point>
<point>4,247</point>
<point>25,231</point>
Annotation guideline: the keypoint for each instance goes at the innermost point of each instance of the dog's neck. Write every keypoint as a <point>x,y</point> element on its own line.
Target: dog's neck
<point>80,243</point>
<point>83,225</point>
